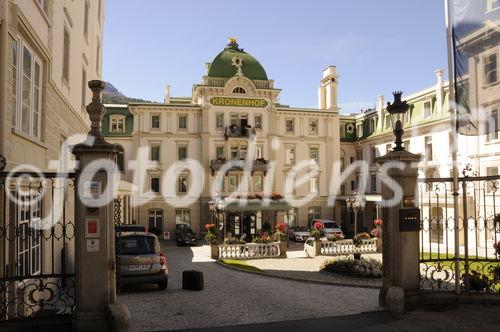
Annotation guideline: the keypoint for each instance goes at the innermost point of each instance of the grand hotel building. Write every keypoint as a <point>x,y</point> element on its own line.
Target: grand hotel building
<point>237,101</point>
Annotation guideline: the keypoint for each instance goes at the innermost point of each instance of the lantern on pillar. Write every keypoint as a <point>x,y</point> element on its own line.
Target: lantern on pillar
<point>397,111</point>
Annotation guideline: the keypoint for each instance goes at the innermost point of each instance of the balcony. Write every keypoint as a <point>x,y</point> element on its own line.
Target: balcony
<point>239,131</point>
<point>258,165</point>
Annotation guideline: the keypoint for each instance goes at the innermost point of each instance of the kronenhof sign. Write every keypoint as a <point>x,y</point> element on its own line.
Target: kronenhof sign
<point>240,102</point>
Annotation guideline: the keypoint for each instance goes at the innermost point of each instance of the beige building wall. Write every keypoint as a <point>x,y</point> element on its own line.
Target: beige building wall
<point>39,28</point>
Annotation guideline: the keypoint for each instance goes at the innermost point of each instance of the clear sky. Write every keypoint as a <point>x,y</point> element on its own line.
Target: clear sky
<point>378,46</point>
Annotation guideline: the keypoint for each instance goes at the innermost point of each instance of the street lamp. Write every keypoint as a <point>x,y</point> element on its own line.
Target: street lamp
<point>397,111</point>
<point>356,203</point>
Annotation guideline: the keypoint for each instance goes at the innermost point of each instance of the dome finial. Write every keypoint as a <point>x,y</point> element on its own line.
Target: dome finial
<point>232,45</point>
<point>232,40</point>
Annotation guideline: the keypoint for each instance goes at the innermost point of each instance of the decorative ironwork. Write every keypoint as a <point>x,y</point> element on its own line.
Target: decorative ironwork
<point>36,245</point>
<point>117,218</point>
<point>477,267</point>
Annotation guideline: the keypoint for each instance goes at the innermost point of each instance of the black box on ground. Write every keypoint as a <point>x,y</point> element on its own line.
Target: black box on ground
<point>192,280</point>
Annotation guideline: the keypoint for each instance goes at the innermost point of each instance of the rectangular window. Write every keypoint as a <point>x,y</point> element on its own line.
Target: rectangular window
<point>257,183</point>
<point>219,152</point>
<point>84,88</point>
<point>353,185</point>
<point>314,154</point>
<point>290,125</point>
<point>290,218</point>
<point>492,185</point>
<point>342,189</point>
<point>428,148</point>
<point>290,155</point>
<point>181,153</point>
<point>156,220</point>
<point>342,163</point>
<point>243,151</point>
<point>155,121</point>
<point>490,69</point>
<point>313,126</point>
<point>182,184</point>
<point>234,152</point>
<point>427,109</point>
<point>29,237</point>
<point>155,185</point>
<point>373,150</point>
<point>387,121</point>
<point>373,183</point>
<point>313,184</point>
<point>492,126</point>
<point>182,123</point>
<point>258,121</point>
<point>359,130</point>
<point>117,124</point>
<point>155,153</point>
<point>86,19</point>
<point>219,120</point>
<point>232,183</point>
<point>28,117</point>
<point>66,55</point>
<point>259,152</point>
<point>234,119</point>
<point>182,217</point>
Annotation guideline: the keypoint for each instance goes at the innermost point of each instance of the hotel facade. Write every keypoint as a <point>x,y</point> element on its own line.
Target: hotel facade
<point>236,104</point>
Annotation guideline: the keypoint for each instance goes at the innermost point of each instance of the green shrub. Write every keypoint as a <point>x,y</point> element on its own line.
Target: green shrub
<point>363,268</point>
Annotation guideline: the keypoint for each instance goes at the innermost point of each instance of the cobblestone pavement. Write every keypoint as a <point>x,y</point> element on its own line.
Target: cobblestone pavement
<point>297,265</point>
<point>232,297</point>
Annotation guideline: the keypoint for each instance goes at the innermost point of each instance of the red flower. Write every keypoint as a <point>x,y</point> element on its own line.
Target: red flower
<point>281,227</point>
<point>209,226</point>
<point>318,225</point>
<point>377,222</point>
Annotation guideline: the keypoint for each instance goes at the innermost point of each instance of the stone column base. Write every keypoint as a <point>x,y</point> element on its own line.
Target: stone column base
<point>90,321</point>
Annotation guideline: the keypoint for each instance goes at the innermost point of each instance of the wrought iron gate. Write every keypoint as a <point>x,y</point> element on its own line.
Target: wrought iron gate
<point>36,245</point>
<point>477,267</point>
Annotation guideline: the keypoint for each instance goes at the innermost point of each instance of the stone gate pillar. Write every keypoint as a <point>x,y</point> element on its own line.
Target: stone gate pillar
<point>400,231</point>
<point>94,227</point>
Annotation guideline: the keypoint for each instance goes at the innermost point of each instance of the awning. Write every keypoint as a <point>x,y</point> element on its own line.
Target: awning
<point>256,205</point>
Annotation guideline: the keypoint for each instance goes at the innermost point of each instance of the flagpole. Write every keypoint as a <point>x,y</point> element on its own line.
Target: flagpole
<point>454,132</point>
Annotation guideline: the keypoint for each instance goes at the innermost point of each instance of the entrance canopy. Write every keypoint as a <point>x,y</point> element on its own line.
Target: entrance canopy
<point>239,205</point>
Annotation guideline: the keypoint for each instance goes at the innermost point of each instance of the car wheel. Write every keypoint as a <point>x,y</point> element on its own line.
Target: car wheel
<point>163,285</point>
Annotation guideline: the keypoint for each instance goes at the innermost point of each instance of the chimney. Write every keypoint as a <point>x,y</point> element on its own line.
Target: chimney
<point>380,111</point>
<point>439,90</point>
<point>167,94</point>
<point>327,92</point>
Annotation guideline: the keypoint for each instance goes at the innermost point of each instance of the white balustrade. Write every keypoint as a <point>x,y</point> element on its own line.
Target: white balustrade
<point>347,247</point>
<point>249,250</point>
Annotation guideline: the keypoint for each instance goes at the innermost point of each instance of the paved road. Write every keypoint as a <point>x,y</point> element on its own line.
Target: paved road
<point>233,298</point>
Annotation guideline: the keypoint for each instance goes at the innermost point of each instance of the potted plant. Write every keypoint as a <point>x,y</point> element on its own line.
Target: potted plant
<point>213,240</point>
<point>477,281</point>
<point>317,233</point>
<point>335,237</point>
<point>357,241</point>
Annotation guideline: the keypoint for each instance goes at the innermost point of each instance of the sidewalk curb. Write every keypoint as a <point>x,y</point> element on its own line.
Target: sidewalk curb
<point>311,281</point>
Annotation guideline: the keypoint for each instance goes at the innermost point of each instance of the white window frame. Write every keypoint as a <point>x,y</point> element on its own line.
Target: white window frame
<point>492,136</point>
<point>485,57</point>
<point>180,189</point>
<point>32,109</point>
<point>151,121</point>
<point>428,115</point>
<point>117,119</point>
<point>184,216</point>
<point>28,246</point>
<point>255,121</point>
<point>185,146</point>
<point>311,148</point>
<point>314,184</point>
<point>151,146</point>
<point>219,116</point>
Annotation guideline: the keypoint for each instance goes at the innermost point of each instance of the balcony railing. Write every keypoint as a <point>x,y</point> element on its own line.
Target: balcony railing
<point>239,131</point>
<point>347,247</point>
<point>258,165</point>
<point>249,250</point>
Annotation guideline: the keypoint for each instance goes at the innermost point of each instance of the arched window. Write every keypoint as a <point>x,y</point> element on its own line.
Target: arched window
<point>239,89</point>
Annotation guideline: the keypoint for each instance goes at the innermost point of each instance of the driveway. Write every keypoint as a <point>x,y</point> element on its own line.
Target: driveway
<point>233,298</point>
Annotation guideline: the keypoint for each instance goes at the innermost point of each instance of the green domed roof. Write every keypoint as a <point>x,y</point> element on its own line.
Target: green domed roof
<point>223,64</point>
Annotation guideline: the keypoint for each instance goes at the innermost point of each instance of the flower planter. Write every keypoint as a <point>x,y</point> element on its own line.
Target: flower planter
<point>214,251</point>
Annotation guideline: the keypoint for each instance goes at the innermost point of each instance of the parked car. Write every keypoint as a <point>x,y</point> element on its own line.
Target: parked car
<point>140,259</point>
<point>185,235</point>
<point>330,227</point>
<point>130,228</point>
<point>298,233</point>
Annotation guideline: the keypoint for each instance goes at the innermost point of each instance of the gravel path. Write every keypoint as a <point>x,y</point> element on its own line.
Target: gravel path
<point>232,297</point>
